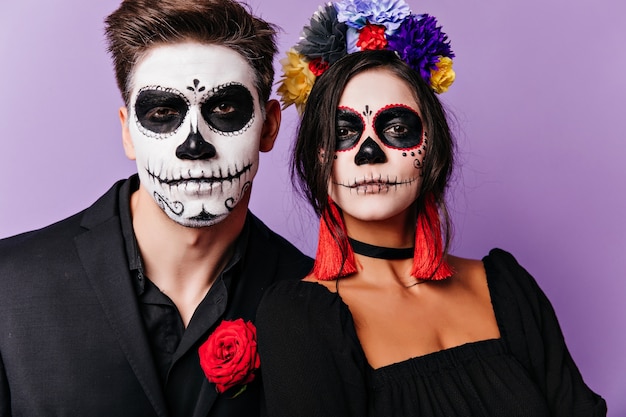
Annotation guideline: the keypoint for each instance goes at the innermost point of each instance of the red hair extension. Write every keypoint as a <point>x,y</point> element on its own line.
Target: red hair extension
<point>428,262</point>
<point>330,261</point>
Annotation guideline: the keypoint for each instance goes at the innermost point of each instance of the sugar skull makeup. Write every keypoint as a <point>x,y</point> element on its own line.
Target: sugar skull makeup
<point>195,123</point>
<point>397,126</point>
<point>380,147</point>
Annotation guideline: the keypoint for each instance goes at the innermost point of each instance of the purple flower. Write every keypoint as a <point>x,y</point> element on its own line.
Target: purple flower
<point>358,13</point>
<point>420,42</point>
<point>325,37</point>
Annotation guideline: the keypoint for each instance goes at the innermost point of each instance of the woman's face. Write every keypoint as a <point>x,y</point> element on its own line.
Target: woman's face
<point>381,145</point>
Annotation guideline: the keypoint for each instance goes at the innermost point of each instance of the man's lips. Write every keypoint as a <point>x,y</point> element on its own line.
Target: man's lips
<point>210,180</point>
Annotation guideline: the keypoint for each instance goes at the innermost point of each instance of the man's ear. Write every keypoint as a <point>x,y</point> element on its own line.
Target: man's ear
<point>271,125</point>
<point>127,141</point>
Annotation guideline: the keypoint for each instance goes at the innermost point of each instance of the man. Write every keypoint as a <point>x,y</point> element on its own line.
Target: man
<point>104,313</point>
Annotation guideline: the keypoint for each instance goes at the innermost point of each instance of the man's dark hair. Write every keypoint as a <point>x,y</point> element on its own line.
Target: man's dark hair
<point>138,25</point>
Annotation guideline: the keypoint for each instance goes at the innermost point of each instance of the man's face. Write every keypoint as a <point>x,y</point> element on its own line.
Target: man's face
<point>195,123</point>
<point>381,145</point>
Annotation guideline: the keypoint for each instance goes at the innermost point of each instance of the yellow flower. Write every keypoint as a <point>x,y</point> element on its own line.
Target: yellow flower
<point>297,80</point>
<point>443,77</point>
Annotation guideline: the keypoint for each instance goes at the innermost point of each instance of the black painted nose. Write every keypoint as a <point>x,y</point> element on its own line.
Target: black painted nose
<point>370,153</point>
<point>195,147</point>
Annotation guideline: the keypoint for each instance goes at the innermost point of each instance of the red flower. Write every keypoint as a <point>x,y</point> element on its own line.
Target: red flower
<point>372,37</point>
<point>229,357</point>
<point>318,66</point>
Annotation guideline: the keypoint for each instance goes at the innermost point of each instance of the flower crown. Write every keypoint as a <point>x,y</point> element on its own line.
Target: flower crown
<point>348,26</point>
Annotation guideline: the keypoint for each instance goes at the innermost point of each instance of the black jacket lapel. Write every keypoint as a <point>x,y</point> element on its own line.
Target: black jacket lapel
<point>102,253</point>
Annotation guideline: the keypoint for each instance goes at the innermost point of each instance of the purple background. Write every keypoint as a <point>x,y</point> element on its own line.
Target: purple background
<point>539,102</point>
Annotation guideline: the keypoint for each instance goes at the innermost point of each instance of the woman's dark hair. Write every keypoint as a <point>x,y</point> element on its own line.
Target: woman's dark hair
<point>317,132</point>
<point>138,25</point>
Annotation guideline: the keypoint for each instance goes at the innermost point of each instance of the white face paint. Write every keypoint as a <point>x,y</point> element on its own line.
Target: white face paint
<point>195,123</point>
<point>381,145</point>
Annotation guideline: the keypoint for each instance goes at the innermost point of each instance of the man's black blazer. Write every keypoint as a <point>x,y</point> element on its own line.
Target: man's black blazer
<point>72,340</point>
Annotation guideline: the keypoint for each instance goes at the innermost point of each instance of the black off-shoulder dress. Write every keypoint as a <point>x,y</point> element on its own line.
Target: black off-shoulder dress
<point>313,365</point>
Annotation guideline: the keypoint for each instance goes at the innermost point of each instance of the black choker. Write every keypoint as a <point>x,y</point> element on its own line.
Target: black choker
<point>380,252</point>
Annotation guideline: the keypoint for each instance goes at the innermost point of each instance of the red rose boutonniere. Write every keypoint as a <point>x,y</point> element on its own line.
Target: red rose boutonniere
<point>229,357</point>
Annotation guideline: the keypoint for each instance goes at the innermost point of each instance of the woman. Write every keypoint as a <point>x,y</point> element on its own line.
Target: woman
<point>388,323</point>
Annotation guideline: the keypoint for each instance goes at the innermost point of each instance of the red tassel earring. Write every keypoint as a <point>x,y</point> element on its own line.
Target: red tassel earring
<point>428,262</point>
<point>334,258</point>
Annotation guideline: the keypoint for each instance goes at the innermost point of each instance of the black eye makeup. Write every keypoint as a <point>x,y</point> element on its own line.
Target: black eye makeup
<point>399,127</point>
<point>229,109</point>
<point>349,128</point>
<point>160,111</point>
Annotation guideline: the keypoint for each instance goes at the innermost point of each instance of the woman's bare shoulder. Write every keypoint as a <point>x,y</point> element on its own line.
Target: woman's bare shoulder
<point>466,270</point>
<point>330,285</point>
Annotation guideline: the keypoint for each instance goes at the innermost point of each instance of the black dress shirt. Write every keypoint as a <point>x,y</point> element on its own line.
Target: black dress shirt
<point>174,348</point>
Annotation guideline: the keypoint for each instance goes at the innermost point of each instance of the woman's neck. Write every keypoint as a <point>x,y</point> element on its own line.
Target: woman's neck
<point>394,232</point>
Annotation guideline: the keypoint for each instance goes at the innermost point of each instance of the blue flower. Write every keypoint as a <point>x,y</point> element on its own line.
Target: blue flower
<point>352,36</point>
<point>358,13</point>
<point>420,43</point>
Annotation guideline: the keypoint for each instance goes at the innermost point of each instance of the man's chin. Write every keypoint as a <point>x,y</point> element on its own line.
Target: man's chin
<point>203,219</point>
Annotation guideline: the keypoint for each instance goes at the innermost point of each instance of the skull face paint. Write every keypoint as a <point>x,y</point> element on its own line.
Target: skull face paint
<point>397,126</point>
<point>381,145</point>
<point>195,123</point>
